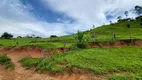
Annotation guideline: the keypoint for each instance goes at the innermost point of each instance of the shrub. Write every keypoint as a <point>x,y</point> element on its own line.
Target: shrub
<point>81,41</point>
<point>81,45</point>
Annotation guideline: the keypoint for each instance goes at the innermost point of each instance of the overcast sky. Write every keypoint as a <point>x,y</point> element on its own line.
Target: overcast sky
<point>59,17</point>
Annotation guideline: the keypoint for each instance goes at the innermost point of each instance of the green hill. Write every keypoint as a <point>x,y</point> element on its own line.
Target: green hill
<point>100,61</point>
<point>104,33</point>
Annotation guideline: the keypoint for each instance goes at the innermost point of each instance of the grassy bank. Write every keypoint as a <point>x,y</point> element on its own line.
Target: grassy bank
<point>99,60</point>
<point>6,62</point>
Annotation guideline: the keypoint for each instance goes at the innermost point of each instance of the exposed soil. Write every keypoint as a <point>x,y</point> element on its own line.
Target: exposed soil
<point>120,43</point>
<point>17,53</point>
<point>20,73</point>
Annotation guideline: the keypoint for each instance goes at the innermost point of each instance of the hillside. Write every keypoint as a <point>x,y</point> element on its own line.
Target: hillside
<point>110,60</point>
<point>103,33</point>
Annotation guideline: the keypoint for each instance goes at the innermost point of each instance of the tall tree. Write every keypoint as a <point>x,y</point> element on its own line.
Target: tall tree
<point>138,10</point>
<point>126,14</point>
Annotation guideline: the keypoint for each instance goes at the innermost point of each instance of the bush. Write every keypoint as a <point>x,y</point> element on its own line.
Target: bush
<point>81,45</point>
<point>81,41</point>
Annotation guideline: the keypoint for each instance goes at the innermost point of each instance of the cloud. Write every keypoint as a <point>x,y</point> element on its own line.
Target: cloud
<point>16,18</point>
<point>93,11</point>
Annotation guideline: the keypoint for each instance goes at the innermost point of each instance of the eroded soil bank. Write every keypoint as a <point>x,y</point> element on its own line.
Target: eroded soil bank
<point>17,53</point>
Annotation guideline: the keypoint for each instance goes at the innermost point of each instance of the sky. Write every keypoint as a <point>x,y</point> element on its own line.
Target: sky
<point>60,17</point>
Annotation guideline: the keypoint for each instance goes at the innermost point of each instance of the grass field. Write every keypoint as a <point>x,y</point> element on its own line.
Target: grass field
<point>99,60</point>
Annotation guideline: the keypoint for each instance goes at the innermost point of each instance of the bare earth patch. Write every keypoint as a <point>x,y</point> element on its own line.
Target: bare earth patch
<point>20,73</point>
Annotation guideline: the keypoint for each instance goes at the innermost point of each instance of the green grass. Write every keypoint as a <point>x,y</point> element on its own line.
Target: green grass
<point>126,76</point>
<point>107,60</point>
<point>118,77</point>
<point>42,43</point>
<point>99,60</point>
<point>104,33</point>
<point>6,62</point>
<point>38,63</point>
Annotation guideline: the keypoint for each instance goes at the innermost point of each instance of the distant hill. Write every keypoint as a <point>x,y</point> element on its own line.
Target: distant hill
<point>104,33</point>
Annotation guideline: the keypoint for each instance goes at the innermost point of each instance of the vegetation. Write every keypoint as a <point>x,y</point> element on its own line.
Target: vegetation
<point>127,76</point>
<point>6,35</point>
<point>125,59</point>
<point>104,33</point>
<point>53,36</point>
<point>138,10</point>
<point>6,62</point>
<point>40,65</point>
<point>81,41</point>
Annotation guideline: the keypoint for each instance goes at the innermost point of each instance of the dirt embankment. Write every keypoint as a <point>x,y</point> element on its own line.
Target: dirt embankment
<point>17,53</point>
<point>120,43</point>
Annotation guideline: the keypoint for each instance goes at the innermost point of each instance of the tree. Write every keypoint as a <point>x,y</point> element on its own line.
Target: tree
<point>126,14</point>
<point>53,36</point>
<point>6,35</point>
<point>93,26</point>
<point>19,37</point>
<point>138,10</point>
<point>80,36</point>
<point>119,17</point>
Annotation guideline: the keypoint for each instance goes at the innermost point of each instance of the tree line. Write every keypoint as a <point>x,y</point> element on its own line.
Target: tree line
<point>137,10</point>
